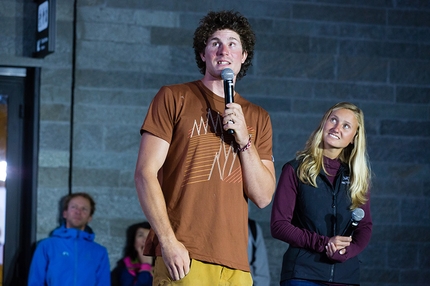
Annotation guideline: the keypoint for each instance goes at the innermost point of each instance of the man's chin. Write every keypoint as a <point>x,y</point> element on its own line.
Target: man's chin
<point>76,225</point>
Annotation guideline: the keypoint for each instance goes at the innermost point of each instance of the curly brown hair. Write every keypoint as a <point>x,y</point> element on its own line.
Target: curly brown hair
<point>221,20</point>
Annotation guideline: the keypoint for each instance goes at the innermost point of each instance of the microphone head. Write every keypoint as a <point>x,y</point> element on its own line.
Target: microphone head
<point>227,74</point>
<point>357,214</point>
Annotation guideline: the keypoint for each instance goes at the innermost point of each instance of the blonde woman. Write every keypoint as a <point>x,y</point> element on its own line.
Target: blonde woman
<point>314,199</point>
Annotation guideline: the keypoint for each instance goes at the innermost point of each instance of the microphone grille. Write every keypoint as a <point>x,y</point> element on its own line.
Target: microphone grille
<point>227,74</point>
<point>357,214</point>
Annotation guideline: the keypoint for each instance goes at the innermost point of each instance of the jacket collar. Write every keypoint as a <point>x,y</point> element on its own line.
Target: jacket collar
<point>70,233</point>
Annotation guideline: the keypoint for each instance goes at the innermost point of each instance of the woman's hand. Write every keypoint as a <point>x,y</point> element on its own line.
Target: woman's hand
<point>337,243</point>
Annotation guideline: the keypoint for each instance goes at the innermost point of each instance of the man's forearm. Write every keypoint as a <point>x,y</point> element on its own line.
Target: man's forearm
<point>259,177</point>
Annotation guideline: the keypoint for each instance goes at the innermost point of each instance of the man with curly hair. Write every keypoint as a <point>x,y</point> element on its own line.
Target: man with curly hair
<point>193,178</point>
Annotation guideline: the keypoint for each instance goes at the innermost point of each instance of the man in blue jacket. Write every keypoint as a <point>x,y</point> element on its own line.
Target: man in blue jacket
<point>70,256</point>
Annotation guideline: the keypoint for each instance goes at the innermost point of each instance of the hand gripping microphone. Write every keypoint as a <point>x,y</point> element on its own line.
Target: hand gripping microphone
<point>228,75</point>
<point>356,216</point>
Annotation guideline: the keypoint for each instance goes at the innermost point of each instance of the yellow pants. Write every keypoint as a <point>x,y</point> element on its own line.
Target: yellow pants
<point>202,274</point>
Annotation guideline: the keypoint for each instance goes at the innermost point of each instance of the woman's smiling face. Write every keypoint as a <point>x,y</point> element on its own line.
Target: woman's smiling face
<point>339,131</point>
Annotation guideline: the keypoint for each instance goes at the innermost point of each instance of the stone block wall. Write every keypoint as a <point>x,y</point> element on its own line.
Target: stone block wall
<point>96,88</point>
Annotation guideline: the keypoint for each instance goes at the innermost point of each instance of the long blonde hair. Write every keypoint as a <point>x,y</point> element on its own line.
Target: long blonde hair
<point>355,155</point>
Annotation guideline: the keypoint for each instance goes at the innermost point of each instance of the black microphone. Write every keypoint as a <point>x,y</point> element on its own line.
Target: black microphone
<point>356,216</point>
<point>228,75</point>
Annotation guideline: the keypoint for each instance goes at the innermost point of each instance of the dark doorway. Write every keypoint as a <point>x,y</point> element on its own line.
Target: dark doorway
<point>19,133</point>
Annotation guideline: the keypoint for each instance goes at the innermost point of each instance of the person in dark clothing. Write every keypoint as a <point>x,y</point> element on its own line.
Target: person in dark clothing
<point>316,193</point>
<point>257,255</point>
<point>134,269</point>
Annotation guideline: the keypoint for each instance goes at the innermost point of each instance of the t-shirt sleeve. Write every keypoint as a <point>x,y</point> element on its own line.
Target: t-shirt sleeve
<point>263,139</point>
<point>160,118</point>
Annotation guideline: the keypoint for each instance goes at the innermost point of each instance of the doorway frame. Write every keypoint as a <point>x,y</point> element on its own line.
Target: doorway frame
<point>21,211</point>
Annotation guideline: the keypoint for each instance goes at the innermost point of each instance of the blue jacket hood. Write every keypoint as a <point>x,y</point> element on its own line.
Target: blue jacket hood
<point>64,232</point>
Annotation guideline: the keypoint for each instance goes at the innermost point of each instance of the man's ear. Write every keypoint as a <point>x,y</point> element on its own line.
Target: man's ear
<point>202,56</point>
<point>244,56</point>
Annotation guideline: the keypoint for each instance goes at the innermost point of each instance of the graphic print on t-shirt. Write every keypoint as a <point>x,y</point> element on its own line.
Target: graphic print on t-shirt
<point>209,155</point>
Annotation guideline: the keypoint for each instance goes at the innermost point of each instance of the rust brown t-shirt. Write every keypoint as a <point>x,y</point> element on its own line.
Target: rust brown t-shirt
<point>201,177</point>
